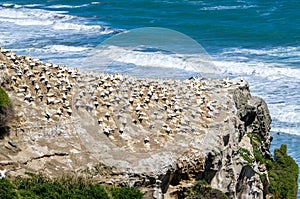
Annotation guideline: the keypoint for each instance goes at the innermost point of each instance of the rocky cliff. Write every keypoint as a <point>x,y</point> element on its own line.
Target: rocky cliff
<point>161,136</point>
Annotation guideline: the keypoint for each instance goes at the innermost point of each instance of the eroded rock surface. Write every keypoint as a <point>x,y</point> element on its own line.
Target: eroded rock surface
<point>160,136</point>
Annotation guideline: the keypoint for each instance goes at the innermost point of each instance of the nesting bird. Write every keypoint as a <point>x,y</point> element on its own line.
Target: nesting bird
<point>47,115</point>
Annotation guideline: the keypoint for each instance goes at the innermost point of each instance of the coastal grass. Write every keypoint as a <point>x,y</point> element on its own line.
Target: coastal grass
<point>38,186</point>
<point>4,99</point>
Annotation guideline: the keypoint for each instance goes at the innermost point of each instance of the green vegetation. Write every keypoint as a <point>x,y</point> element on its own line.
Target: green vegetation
<point>203,191</point>
<point>255,139</point>
<point>38,186</point>
<point>4,100</point>
<point>283,175</point>
<point>282,171</point>
<point>256,143</point>
<point>7,189</point>
<point>246,155</point>
<point>6,112</point>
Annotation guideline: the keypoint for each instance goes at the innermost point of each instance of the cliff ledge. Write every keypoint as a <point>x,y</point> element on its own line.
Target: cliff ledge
<point>161,136</point>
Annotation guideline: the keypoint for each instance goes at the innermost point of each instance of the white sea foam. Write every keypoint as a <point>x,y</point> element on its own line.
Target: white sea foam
<point>53,50</point>
<point>277,52</point>
<point>271,63</point>
<point>240,7</point>
<point>56,20</point>
<point>271,71</point>
<point>25,16</point>
<point>60,6</point>
<point>287,129</point>
<point>63,48</point>
<point>7,5</point>
<point>95,3</point>
<point>286,113</point>
<point>81,27</point>
<point>32,5</point>
<point>188,62</point>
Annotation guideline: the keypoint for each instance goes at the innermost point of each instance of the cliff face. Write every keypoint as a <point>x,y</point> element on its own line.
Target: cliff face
<point>160,136</point>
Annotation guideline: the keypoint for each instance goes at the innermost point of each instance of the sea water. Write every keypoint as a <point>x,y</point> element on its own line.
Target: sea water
<point>259,40</point>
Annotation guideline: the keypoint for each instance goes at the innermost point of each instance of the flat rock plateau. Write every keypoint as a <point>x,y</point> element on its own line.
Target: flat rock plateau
<point>158,135</point>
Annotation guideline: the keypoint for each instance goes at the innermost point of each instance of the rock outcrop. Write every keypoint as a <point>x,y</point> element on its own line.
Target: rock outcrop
<point>160,136</point>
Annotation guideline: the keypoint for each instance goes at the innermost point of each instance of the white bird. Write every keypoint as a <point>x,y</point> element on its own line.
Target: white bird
<point>146,140</point>
<point>64,98</point>
<point>168,130</point>
<point>69,111</point>
<point>13,78</point>
<point>50,100</point>
<point>59,112</point>
<point>138,108</point>
<point>22,90</point>
<point>210,107</point>
<point>96,104</point>
<point>57,84</point>
<point>100,120</point>
<point>40,96</point>
<point>47,115</point>
<point>48,87</point>
<point>28,97</point>
<point>107,115</point>
<point>36,88</point>
<point>26,69</point>
<point>106,131</point>
<point>2,173</point>
<point>29,75</point>
<point>19,73</point>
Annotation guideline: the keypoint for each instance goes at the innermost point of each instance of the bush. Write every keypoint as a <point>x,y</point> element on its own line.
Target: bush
<point>5,112</point>
<point>283,175</point>
<point>202,190</point>
<point>40,187</point>
<point>7,189</point>
<point>246,155</point>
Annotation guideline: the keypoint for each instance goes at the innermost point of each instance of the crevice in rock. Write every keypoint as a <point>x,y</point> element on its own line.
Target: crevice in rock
<point>46,156</point>
<point>165,181</point>
<point>211,168</point>
<point>7,163</point>
<point>249,116</point>
<point>226,139</point>
<point>246,174</point>
<point>4,131</point>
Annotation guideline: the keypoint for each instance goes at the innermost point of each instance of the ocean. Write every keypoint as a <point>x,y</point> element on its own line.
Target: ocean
<point>258,40</point>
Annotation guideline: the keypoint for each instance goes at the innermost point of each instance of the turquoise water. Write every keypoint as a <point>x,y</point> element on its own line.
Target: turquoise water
<point>259,40</point>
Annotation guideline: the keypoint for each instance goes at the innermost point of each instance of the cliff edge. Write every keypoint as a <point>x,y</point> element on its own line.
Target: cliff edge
<point>161,136</point>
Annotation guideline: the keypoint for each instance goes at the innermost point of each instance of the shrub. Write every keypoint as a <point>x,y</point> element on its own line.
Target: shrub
<point>37,186</point>
<point>7,189</point>
<point>246,155</point>
<point>5,112</point>
<point>283,175</point>
<point>202,190</point>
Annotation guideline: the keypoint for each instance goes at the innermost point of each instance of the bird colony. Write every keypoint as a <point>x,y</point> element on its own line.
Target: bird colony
<point>121,106</point>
